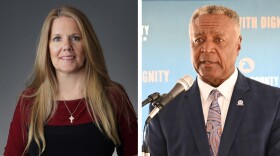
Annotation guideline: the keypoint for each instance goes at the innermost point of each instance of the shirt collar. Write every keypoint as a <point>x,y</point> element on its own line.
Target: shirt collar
<point>226,88</point>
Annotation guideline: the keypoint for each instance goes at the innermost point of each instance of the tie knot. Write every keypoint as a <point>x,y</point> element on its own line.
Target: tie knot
<point>215,94</point>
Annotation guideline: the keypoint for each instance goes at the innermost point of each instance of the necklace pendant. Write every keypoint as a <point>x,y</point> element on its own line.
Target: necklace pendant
<point>71,118</point>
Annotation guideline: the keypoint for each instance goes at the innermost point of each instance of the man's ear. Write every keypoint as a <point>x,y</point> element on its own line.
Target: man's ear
<point>239,44</point>
<point>239,40</point>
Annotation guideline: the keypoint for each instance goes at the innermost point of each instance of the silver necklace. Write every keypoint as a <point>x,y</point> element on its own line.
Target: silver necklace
<point>71,118</point>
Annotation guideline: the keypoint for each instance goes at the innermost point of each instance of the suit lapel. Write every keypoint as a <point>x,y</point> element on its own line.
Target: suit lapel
<point>235,113</point>
<point>193,108</point>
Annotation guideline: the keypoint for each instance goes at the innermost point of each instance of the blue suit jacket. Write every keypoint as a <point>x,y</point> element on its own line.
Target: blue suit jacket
<point>250,130</point>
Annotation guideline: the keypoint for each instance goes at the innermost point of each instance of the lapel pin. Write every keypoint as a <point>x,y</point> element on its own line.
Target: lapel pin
<point>240,103</point>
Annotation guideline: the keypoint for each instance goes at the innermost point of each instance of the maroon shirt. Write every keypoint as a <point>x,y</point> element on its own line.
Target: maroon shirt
<point>82,137</point>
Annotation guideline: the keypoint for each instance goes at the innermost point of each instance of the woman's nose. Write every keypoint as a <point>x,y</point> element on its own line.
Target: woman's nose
<point>67,46</point>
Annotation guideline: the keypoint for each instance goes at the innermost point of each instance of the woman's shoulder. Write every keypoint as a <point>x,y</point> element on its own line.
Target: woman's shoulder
<point>120,100</point>
<point>26,97</point>
<point>23,106</point>
<point>117,93</point>
<point>28,92</point>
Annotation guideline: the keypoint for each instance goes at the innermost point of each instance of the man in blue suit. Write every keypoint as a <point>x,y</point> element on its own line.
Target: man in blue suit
<point>242,117</point>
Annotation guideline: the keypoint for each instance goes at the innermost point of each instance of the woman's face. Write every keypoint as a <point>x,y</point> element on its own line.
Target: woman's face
<point>65,45</point>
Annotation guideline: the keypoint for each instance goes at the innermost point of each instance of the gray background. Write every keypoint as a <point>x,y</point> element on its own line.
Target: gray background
<point>115,22</point>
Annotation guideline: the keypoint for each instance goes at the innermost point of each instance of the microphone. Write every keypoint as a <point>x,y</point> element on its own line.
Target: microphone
<point>183,84</point>
<point>151,98</point>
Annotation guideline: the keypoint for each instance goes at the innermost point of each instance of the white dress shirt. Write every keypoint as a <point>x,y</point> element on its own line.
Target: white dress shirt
<point>226,89</point>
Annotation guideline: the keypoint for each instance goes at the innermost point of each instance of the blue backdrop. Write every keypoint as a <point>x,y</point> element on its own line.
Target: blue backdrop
<point>166,45</point>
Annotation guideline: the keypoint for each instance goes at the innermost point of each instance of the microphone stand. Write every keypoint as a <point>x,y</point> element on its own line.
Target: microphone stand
<point>159,101</point>
<point>145,146</point>
<point>151,98</point>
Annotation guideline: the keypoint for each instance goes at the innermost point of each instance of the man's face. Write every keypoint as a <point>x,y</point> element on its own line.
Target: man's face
<point>215,45</point>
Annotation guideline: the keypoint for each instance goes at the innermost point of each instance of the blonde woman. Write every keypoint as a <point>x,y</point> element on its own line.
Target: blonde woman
<point>71,107</point>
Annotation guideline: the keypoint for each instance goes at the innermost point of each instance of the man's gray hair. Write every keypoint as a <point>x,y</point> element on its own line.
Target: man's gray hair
<point>214,9</point>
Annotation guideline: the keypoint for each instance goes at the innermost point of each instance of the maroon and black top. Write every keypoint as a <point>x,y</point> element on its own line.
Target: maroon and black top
<point>82,137</point>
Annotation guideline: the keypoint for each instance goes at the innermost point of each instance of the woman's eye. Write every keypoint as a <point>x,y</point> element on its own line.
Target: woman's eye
<point>56,39</point>
<point>76,38</point>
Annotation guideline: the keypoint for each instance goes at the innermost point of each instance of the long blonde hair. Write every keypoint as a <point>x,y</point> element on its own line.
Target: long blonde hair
<point>44,83</point>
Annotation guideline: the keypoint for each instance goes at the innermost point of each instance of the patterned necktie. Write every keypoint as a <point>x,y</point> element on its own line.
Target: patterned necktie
<point>213,124</point>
